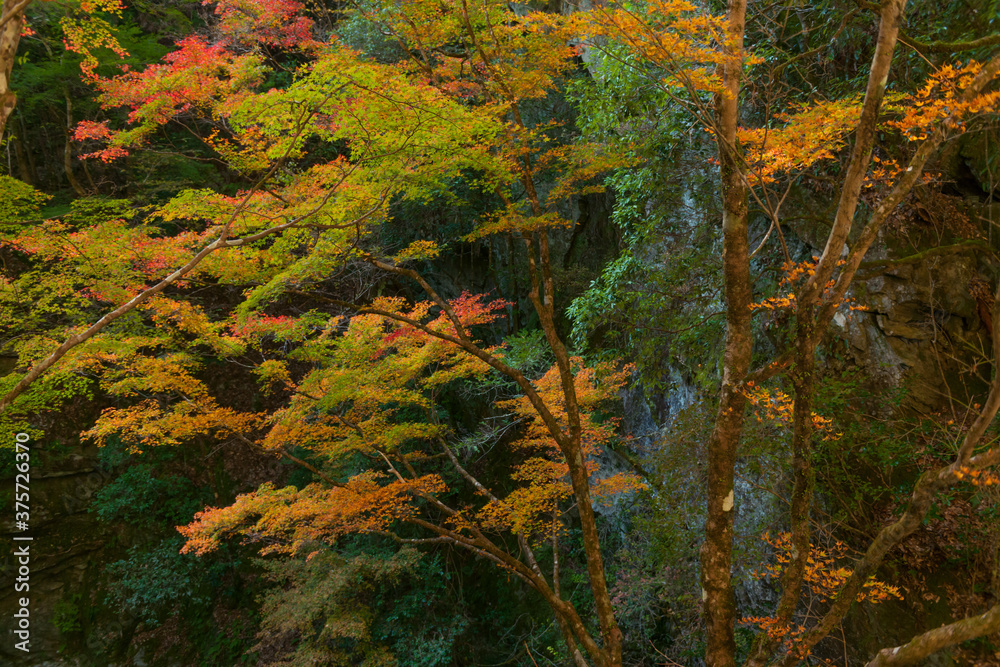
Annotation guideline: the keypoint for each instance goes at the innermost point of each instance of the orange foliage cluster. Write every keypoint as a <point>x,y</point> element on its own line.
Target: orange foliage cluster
<point>775,630</point>
<point>777,406</point>
<point>676,35</point>
<point>822,575</point>
<point>528,510</point>
<point>796,272</point>
<point>421,249</point>
<point>815,132</point>
<point>823,579</point>
<point>977,477</point>
<point>182,410</point>
<point>148,424</point>
<point>775,302</point>
<point>940,100</point>
<point>512,219</point>
<point>884,171</point>
<point>288,519</point>
<point>807,135</point>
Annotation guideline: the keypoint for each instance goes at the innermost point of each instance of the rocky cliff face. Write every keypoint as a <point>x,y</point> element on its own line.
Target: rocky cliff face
<point>924,328</point>
<point>931,286</point>
<point>926,285</point>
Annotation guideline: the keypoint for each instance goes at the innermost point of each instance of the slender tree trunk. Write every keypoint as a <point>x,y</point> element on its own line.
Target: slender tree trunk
<point>68,149</point>
<point>23,167</point>
<point>29,156</point>
<point>811,322</point>
<point>717,551</point>
<point>889,21</point>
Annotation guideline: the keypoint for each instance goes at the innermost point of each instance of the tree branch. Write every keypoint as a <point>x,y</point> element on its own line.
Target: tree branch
<point>13,11</point>
<point>950,47</point>
<point>932,641</point>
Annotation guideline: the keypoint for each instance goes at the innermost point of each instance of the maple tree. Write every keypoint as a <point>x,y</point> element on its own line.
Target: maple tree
<point>354,403</point>
<point>395,132</point>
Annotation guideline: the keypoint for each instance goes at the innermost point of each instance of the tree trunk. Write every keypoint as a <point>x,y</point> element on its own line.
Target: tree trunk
<point>12,20</point>
<point>68,149</point>
<point>811,323</point>
<point>23,166</point>
<point>717,551</point>
<point>23,139</point>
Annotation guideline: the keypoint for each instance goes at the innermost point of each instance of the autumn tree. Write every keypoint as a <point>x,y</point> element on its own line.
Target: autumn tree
<point>324,158</point>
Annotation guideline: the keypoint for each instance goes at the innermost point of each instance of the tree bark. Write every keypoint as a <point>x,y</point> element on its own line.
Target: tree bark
<point>921,646</point>
<point>717,550</point>
<point>12,20</point>
<point>68,149</point>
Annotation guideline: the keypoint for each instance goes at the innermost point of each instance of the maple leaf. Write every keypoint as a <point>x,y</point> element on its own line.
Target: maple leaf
<point>806,135</point>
